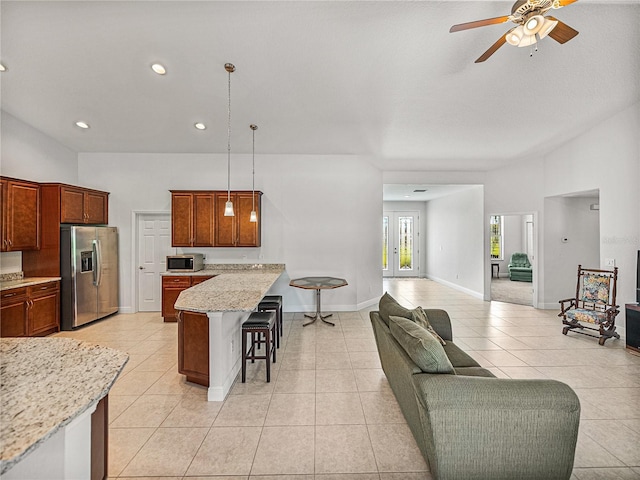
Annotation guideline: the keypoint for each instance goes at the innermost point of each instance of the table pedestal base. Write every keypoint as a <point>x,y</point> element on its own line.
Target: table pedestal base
<point>318,314</point>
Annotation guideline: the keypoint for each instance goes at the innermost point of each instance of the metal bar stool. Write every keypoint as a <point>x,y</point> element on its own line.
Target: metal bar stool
<point>273,303</point>
<point>263,329</point>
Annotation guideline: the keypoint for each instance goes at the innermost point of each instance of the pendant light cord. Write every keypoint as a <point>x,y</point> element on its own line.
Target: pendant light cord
<point>229,140</point>
<point>253,170</point>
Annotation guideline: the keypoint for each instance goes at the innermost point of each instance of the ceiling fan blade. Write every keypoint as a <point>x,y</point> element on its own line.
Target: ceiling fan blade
<point>479,23</point>
<point>562,32</point>
<point>564,3</point>
<point>492,49</point>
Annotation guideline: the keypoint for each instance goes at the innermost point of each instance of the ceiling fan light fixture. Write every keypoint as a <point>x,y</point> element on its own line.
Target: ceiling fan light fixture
<point>527,41</point>
<point>515,36</point>
<point>547,27</point>
<point>533,24</point>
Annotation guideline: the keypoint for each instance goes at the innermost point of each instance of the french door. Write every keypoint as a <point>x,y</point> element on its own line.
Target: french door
<point>400,244</point>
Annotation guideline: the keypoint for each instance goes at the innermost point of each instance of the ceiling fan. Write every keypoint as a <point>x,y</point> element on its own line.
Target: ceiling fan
<point>531,25</point>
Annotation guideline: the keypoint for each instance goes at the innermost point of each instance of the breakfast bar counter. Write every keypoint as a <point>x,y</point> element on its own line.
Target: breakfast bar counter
<point>210,319</point>
<point>49,390</point>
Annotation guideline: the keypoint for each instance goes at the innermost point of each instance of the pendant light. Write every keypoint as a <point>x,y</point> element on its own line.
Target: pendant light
<point>254,216</point>
<point>228,207</point>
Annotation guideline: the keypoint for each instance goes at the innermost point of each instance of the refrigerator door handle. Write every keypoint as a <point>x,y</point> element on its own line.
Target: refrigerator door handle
<point>97,262</point>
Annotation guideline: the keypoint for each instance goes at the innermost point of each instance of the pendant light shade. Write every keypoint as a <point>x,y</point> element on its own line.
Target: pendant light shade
<point>228,206</point>
<point>254,215</point>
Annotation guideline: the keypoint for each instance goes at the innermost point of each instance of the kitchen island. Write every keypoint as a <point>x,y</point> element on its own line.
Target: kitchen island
<point>210,319</point>
<point>53,411</point>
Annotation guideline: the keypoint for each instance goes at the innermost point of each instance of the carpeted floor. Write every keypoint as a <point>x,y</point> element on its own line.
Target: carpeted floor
<point>504,290</point>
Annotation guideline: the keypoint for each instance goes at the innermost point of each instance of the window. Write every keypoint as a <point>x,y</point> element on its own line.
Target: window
<point>385,243</point>
<point>496,224</point>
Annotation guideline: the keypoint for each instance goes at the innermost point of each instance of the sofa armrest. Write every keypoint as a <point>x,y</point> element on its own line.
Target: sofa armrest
<point>440,321</point>
<point>479,428</point>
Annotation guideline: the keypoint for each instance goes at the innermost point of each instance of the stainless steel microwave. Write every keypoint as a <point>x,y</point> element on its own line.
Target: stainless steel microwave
<point>191,262</point>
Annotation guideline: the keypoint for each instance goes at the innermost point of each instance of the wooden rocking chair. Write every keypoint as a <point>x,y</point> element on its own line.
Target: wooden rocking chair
<point>594,303</point>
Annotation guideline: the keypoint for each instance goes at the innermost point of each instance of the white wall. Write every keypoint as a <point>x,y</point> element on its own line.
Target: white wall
<point>455,233</point>
<point>605,158</point>
<point>321,215</point>
<point>29,154</point>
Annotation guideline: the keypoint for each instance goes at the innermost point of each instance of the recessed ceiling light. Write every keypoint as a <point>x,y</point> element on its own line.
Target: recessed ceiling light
<point>407,196</point>
<point>200,126</point>
<point>2,67</point>
<point>159,69</point>
<point>83,125</point>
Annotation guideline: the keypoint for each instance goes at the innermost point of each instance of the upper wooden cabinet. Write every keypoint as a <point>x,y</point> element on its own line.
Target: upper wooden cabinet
<point>197,219</point>
<point>192,219</point>
<point>20,215</point>
<point>82,205</point>
<point>237,231</point>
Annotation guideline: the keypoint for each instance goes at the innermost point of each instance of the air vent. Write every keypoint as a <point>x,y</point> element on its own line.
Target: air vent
<point>420,190</point>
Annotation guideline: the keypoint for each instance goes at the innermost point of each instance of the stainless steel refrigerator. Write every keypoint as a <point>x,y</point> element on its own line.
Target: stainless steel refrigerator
<point>89,269</point>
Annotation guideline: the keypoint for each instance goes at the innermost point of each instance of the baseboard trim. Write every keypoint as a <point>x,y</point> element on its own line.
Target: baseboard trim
<point>473,293</point>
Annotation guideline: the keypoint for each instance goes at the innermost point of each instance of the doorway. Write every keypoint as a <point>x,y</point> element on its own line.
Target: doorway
<point>154,244</point>
<point>400,235</point>
<point>511,233</point>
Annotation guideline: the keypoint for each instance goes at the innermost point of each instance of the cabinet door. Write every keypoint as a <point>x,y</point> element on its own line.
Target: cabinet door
<point>203,209</point>
<point>44,310</point>
<point>72,205</point>
<point>96,208</point>
<point>193,347</point>
<point>181,219</point>
<point>248,233</point>
<point>171,288</point>
<point>196,279</point>
<point>13,313</point>
<point>225,227</point>
<point>3,214</point>
<point>22,229</point>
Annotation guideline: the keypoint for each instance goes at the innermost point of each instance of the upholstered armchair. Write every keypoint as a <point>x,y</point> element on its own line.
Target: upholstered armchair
<point>520,268</point>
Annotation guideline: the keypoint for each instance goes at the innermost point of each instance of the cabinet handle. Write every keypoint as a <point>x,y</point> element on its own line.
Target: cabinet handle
<point>9,242</point>
<point>44,288</point>
<point>179,316</point>
<point>8,295</point>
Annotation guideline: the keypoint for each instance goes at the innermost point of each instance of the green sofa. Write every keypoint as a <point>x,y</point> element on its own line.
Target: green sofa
<point>520,268</point>
<point>470,425</point>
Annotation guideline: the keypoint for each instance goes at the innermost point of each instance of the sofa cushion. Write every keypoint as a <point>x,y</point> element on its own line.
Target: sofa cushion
<point>423,348</point>
<point>420,317</point>
<point>389,306</point>
<point>474,372</point>
<point>458,357</point>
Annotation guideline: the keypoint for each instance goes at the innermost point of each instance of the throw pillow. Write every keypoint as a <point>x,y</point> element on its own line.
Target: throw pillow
<point>420,317</point>
<point>389,306</point>
<point>423,348</point>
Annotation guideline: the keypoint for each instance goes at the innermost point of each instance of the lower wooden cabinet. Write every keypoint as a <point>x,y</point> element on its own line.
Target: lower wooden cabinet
<point>172,286</point>
<point>30,311</point>
<point>193,347</point>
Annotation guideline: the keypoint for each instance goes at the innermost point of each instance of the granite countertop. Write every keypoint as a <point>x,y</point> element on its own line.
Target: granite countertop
<point>212,269</point>
<point>236,290</point>
<point>25,282</point>
<point>45,383</point>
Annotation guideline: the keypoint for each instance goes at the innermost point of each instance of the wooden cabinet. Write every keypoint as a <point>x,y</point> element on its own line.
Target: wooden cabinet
<point>82,205</point>
<point>192,219</point>
<point>237,231</point>
<point>62,203</point>
<point>20,215</point>
<point>197,219</point>
<point>193,347</point>
<point>30,311</point>
<point>172,286</point>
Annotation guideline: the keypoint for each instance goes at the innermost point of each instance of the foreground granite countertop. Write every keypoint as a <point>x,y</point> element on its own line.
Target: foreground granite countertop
<point>45,383</point>
<point>235,289</point>
<point>25,282</point>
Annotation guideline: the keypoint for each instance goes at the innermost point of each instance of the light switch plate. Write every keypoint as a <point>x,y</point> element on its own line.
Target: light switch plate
<point>609,262</point>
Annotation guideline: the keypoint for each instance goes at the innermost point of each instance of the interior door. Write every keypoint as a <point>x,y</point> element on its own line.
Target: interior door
<point>154,244</point>
<point>400,244</point>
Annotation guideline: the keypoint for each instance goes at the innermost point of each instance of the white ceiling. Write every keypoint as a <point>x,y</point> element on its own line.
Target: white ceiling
<point>383,79</point>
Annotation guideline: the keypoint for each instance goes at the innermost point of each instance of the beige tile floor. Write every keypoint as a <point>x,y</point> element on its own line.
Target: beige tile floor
<point>329,414</point>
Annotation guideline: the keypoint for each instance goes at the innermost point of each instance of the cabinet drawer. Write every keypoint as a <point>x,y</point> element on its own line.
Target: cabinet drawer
<point>196,279</point>
<point>13,294</point>
<point>184,281</point>
<point>42,289</point>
